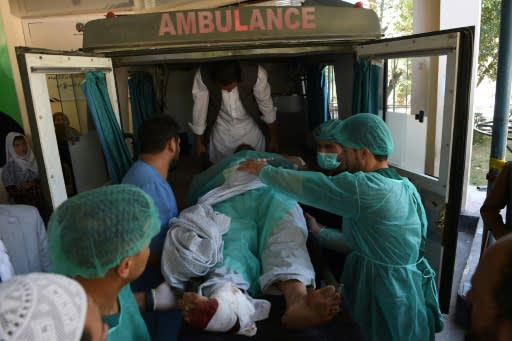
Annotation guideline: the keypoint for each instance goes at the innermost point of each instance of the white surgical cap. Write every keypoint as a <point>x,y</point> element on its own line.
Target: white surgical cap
<point>40,306</point>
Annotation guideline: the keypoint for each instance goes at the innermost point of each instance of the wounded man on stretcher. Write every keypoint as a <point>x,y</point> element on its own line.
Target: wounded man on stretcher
<point>238,241</point>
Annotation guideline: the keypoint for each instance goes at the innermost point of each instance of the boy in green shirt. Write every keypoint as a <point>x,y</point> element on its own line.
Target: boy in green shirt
<point>100,238</point>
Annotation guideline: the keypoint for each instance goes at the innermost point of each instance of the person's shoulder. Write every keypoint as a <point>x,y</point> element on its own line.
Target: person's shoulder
<point>18,211</point>
<point>138,172</point>
<point>377,180</point>
<point>9,165</point>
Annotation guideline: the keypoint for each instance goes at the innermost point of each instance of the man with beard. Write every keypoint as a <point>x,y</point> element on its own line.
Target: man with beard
<point>490,294</point>
<point>159,148</point>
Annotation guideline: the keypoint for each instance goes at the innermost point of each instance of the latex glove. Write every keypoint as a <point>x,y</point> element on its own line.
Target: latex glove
<point>163,297</point>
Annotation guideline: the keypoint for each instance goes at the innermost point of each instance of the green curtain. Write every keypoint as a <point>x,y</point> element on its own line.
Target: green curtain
<point>318,96</point>
<point>114,147</point>
<point>142,100</point>
<point>366,87</point>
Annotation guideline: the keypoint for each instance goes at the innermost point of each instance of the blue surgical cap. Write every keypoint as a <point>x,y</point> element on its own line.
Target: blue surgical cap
<point>327,131</point>
<point>366,130</point>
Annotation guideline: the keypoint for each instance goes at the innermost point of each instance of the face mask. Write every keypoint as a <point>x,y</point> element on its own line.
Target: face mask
<point>327,161</point>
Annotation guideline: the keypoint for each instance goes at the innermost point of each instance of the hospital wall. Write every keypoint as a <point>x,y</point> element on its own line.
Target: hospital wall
<point>11,96</point>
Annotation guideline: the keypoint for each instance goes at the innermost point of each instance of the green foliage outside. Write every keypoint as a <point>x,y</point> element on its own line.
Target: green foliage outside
<point>481,151</point>
<point>395,16</point>
<point>489,38</point>
<point>480,158</point>
<point>396,20</point>
<point>487,64</point>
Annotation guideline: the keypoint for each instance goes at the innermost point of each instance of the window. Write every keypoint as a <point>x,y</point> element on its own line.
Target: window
<point>399,87</point>
<point>331,87</point>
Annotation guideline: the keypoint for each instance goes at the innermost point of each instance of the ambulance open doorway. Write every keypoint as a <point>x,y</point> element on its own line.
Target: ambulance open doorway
<point>283,52</point>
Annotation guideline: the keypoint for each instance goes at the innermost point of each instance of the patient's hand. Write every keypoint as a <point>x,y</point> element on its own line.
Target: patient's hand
<point>252,166</point>
<point>313,226</point>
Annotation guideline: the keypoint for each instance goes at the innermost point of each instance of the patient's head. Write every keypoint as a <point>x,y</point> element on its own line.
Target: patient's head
<point>243,146</point>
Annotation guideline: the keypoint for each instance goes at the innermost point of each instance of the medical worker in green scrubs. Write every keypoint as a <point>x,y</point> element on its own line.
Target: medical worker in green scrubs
<point>389,285</point>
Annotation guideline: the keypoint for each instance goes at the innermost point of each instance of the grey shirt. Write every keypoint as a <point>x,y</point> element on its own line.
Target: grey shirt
<point>23,233</point>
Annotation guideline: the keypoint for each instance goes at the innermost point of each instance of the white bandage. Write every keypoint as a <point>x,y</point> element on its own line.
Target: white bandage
<point>233,306</point>
<point>163,297</point>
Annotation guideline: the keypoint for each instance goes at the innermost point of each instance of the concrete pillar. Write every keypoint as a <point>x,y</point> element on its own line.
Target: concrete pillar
<point>460,13</point>
<point>424,81</point>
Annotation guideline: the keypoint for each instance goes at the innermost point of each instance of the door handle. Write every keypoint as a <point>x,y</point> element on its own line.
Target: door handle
<point>419,116</point>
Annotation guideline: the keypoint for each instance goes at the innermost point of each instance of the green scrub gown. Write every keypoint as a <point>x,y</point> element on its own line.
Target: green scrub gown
<point>389,286</point>
<point>128,324</point>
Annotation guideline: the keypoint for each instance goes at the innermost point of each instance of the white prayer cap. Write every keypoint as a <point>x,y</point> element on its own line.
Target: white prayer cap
<point>39,306</point>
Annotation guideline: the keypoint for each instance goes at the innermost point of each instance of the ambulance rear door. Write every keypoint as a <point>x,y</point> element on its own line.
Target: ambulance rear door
<point>425,100</point>
<point>38,69</point>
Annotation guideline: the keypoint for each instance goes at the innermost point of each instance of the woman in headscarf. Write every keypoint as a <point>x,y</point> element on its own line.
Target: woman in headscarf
<point>63,129</point>
<point>20,171</point>
<point>20,174</point>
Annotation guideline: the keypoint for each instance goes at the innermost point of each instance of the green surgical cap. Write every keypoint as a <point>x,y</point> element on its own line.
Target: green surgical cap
<point>366,130</point>
<point>93,231</point>
<point>327,131</point>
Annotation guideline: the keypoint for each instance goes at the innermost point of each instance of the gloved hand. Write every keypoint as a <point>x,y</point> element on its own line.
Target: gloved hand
<point>163,297</point>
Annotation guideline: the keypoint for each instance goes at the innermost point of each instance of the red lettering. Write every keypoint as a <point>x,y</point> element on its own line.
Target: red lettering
<point>218,22</point>
<point>205,20</point>
<point>274,19</point>
<point>186,25</point>
<point>288,18</point>
<point>308,18</point>
<point>238,26</point>
<point>166,25</point>
<point>256,20</point>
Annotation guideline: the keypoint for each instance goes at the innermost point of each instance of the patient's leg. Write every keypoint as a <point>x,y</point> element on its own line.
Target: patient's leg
<point>306,309</point>
<point>286,265</point>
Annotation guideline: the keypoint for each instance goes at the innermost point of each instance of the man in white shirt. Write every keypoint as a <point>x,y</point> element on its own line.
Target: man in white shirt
<point>232,106</point>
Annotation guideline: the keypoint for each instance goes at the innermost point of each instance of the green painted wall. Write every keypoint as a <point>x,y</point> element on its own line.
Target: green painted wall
<point>8,100</point>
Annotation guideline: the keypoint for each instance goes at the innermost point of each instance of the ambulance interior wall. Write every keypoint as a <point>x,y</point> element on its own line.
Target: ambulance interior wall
<point>173,89</point>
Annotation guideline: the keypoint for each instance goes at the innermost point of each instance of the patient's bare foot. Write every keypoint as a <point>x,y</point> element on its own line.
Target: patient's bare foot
<point>316,308</point>
<point>198,310</point>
